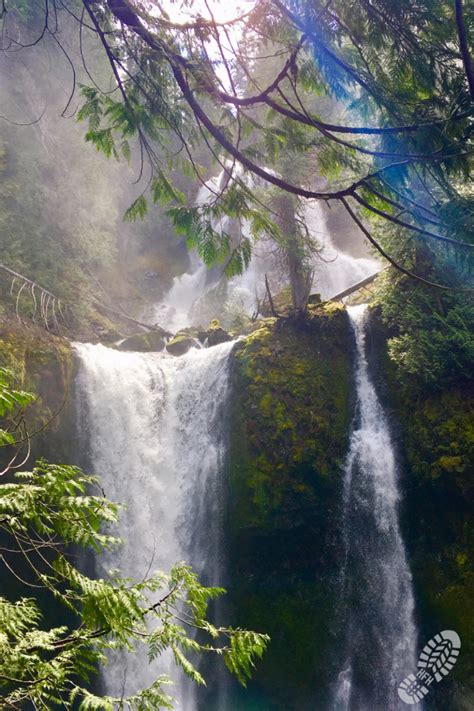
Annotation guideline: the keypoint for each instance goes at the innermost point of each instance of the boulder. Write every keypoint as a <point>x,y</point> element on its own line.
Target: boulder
<point>143,342</point>
<point>214,335</point>
<point>181,343</point>
<point>314,299</point>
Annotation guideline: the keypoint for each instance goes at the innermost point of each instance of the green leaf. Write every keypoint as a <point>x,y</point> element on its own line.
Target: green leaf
<point>137,210</point>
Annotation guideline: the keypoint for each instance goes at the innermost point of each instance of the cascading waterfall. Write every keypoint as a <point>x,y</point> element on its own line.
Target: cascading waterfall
<point>334,271</point>
<point>155,427</point>
<point>156,432</point>
<point>377,597</point>
<point>185,302</point>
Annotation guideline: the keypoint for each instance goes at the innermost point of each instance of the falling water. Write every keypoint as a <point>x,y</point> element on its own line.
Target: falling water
<point>155,429</point>
<point>334,271</point>
<point>190,299</point>
<point>377,593</point>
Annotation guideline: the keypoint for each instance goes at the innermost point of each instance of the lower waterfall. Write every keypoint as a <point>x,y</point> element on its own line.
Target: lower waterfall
<point>155,429</point>
<point>377,599</point>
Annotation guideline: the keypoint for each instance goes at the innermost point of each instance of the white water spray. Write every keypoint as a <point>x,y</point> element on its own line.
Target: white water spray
<point>334,271</point>
<point>380,632</point>
<point>156,429</point>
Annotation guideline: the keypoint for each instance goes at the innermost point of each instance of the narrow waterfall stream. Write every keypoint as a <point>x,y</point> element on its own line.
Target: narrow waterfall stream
<point>377,597</point>
<point>155,428</point>
<point>185,302</point>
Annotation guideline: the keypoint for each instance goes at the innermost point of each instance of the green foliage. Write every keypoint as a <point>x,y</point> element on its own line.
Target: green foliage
<point>279,382</point>
<point>137,210</point>
<point>44,515</point>
<point>437,347</point>
<point>12,405</point>
<point>11,399</point>
<point>437,437</point>
<point>385,63</point>
<point>432,331</point>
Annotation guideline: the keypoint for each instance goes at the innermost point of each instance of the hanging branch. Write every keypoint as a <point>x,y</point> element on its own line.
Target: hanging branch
<point>35,305</point>
<point>18,300</point>
<point>46,297</point>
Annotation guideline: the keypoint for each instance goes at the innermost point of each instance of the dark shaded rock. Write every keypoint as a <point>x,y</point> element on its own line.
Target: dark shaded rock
<point>144,342</point>
<point>108,336</point>
<point>314,299</point>
<point>44,365</point>
<point>291,414</point>
<point>217,335</point>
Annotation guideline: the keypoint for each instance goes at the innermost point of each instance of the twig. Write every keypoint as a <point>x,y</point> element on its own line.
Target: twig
<point>270,300</point>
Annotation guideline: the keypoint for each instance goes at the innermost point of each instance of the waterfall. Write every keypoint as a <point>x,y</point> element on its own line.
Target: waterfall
<point>190,299</point>
<point>377,597</point>
<point>184,304</point>
<point>155,429</point>
<point>334,270</point>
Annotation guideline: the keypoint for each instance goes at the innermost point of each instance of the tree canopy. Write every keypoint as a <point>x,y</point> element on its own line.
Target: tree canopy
<point>362,104</point>
<point>399,75</point>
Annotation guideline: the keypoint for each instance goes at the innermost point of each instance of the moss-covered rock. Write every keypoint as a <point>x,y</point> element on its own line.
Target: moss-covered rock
<point>43,365</point>
<point>181,344</point>
<point>214,335</point>
<point>436,441</point>
<point>144,342</point>
<point>292,395</point>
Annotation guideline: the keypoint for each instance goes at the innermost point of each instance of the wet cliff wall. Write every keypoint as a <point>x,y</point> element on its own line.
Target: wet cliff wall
<point>43,365</point>
<point>290,423</point>
<point>292,408</point>
<point>434,428</point>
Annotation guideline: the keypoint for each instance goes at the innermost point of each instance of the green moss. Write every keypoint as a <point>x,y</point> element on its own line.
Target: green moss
<point>293,386</point>
<point>180,344</point>
<point>144,342</point>
<point>43,364</point>
<point>437,446</point>
<point>289,436</point>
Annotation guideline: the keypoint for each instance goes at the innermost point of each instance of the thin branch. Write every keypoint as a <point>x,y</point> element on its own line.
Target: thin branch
<point>270,299</point>
<point>464,46</point>
<point>390,259</point>
<point>408,226</point>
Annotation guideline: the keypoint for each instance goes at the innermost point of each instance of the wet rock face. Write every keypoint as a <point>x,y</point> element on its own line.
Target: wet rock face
<point>289,432</point>
<point>44,365</point>
<point>214,336</point>
<point>435,434</point>
<point>144,342</point>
